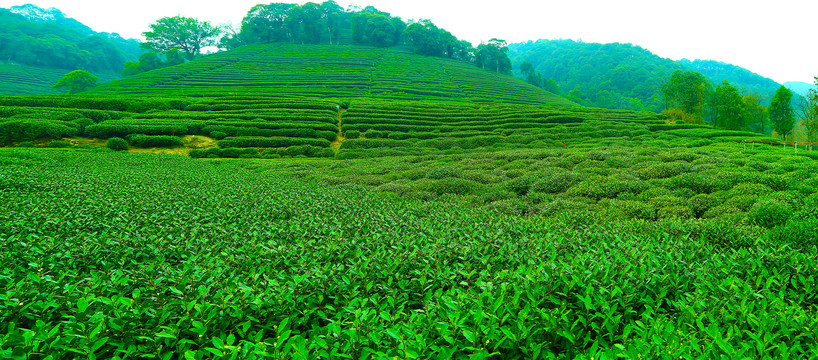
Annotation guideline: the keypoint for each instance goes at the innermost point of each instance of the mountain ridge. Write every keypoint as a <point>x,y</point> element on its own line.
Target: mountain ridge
<point>622,75</point>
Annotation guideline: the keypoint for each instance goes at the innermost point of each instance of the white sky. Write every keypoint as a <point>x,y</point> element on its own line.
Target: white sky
<point>773,38</point>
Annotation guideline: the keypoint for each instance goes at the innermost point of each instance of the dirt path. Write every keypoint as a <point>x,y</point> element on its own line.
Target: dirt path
<point>336,145</point>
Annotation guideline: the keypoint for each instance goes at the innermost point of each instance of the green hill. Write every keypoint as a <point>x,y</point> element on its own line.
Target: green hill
<point>746,80</point>
<point>39,46</point>
<point>331,71</point>
<point>614,76</point>
<point>624,76</point>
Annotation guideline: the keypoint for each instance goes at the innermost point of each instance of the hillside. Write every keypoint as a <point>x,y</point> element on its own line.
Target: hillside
<point>16,79</point>
<point>745,80</point>
<point>624,76</point>
<point>285,70</point>
<point>38,46</point>
<point>800,88</point>
<point>615,76</point>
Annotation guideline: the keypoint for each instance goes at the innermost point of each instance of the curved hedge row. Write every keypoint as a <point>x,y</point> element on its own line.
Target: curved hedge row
<point>26,130</point>
<point>270,142</point>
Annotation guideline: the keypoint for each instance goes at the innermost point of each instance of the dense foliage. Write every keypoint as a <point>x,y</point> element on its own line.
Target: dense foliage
<point>328,23</point>
<point>624,76</point>
<point>184,34</point>
<point>51,45</point>
<point>747,81</point>
<point>615,76</point>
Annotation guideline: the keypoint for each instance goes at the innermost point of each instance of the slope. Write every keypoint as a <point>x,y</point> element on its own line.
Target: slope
<point>615,76</point>
<point>624,76</point>
<point>286,70</point>
<point>800,88</point>
<point>16,79</point>
<point>744,79</point>
<point>39,46</point>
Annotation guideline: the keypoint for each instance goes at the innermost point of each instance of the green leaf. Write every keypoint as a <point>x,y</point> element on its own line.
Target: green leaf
<point>82,304</point>
<point>469,335</point>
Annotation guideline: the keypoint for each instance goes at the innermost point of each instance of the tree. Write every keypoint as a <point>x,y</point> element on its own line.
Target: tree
<point>807,110</point>
<point>426,38</point>
<point>77,81</point>
<point>152,61</point>
<point>494,56</point>
<point>331,13</point>
<point>185,34</point>
<point>728,107</point>
<point>232,38</point>
<point>267,23</point>
<point>686,91</point>
<point>376,28</point>
<point>781,112</point>
<point>755,114</point>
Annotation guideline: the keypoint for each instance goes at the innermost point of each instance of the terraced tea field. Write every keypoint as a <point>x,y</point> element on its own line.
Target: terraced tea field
<point>32,80</point>
<point>285,70</point>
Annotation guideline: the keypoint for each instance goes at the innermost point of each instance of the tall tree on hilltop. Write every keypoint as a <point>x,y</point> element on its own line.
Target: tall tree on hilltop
<point>686,91</point>
<point>728,107</point>
<point>332,16</point>
<point>185,34</point>
<point>494,56</point>
<point>781,112</point>
<point>267,23</point>
<point>807,110</point>
<point>755,113</point>
<point>76,81</point>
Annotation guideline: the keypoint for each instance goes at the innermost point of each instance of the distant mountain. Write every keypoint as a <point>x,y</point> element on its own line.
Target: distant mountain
<point>32,23</point>
<point>614,76</point>
<point>37,14</point>
<point>800,88</point>
<point>38,46</point>
<point>745,80</point>
<point>624,76</point>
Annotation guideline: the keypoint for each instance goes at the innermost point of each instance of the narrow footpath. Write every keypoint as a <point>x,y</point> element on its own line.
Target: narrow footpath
<point>336,145</point>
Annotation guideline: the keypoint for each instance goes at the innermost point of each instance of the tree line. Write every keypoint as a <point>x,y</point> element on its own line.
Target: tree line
<point>312,23</point>
<point>690,98</point>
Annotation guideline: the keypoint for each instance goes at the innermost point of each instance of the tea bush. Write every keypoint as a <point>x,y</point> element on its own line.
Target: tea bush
<point>117,144</point>
<point>58,144</point>
<point>770,213</point>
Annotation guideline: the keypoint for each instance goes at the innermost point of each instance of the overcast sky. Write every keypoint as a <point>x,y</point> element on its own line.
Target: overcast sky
<point>773,38</point>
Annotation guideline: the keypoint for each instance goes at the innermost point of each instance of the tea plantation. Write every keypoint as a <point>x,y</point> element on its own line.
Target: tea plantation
<point>130,255</point>
<point>359,203</point>
<point>18,79</point>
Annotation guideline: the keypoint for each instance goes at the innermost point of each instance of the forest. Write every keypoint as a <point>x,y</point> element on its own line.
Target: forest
<point>620,76</point>
<point>312,23</point>
<point>50,44</point>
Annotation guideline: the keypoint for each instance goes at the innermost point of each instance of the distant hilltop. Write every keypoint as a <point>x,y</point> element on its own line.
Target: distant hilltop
<point>800,88</point>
